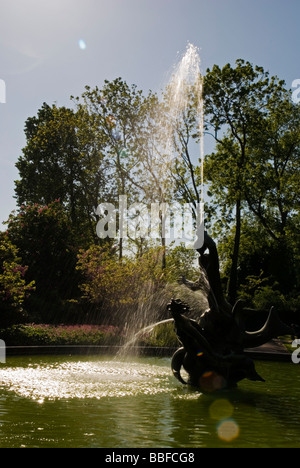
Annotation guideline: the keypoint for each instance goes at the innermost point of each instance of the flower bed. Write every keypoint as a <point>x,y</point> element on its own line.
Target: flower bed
<point>61,335</point>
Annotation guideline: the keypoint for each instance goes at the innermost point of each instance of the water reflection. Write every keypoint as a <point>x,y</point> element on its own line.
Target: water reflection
<point>85,379</point>
<point>96,402</point>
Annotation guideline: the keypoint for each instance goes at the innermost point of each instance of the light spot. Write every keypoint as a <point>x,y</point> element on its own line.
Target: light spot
<point>221,409</point>
<point>210,381</point>
<point>82,44</point>
<point>228,430</point>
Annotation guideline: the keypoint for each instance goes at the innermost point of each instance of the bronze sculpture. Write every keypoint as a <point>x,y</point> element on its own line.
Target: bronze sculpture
<point>212,351</point>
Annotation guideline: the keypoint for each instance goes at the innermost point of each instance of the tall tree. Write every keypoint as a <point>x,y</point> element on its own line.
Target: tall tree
<point>236,103</point>
<point>45,242</point>
<point>132,128</point>
<point>117,109</point>
<point>62,160</point>
<point>273,181</point>
<point>183,129</point>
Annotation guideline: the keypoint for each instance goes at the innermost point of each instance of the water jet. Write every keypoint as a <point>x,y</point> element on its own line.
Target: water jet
<point>108,401</point>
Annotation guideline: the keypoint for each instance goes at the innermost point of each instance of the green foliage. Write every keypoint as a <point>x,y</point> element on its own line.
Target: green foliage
<point>61,335</point>
<point>119,287</point>
<point>255,168</point>
<point>118,141</point>
<point>13,286</point>
<point>44,240</point>
<point>268,296</point>
<point>126,122</point>
<point>181,262</point>
<point>134,291</point>
<point>162,335</point>
<point>63,159</point>
<point>263,266</point>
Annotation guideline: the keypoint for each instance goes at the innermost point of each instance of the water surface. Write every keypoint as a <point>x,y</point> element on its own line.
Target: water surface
<point>75,402</point>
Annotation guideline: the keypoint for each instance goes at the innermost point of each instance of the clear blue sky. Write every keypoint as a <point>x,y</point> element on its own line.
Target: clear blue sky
<point>138,40</point>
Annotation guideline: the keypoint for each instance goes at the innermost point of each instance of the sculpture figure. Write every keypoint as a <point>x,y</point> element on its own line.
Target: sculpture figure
<point>212,351</point>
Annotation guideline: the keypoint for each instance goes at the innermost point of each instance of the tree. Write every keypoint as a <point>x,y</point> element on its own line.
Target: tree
<point>272,184</point>
<point>111,145</point>
<point>14,287</point>
<point>116,111</point>
<point>131,125</point>
<point>122,293</point>
<point>183,113</point>
<point>264,276</point>
<point>44,240</point>
<point>236,103</point>
<point>62,160</point>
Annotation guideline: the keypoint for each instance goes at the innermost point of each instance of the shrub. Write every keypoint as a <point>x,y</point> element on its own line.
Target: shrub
<point>13,286</point>
<point>162,335</point>
<point>119,289</point>
<point>268,296</point>
<point>61,335</point>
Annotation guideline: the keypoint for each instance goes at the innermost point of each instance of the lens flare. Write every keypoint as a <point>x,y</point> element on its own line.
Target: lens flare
<point>82,44</point>
<point>210,381</point>
<point>228,430</point>
<point>221,409</point>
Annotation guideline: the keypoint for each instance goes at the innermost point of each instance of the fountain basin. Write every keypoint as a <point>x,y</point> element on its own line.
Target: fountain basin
<point>104,401</point>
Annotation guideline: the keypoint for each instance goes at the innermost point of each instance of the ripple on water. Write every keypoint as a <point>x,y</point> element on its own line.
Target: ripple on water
<point>101,379</point>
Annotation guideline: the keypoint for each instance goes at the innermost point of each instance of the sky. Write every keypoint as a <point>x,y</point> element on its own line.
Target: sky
<point>52,49</point>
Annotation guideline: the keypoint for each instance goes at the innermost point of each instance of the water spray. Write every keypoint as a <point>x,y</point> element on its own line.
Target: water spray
<point>188,76</point>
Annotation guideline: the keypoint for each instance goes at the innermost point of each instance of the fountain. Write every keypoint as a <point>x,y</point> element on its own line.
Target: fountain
<point>186,87</point>
<point>213,347</point>
<point>116,402</point>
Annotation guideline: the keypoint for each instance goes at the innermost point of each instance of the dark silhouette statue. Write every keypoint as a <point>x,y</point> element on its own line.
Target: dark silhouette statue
<point>212,351</point>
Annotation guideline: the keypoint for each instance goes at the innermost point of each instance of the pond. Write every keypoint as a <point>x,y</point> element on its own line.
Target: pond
<point>106,402</point>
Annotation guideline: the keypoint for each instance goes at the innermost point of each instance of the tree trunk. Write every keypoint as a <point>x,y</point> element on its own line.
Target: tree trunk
<point>163,260</point>
<point>233,279</point>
